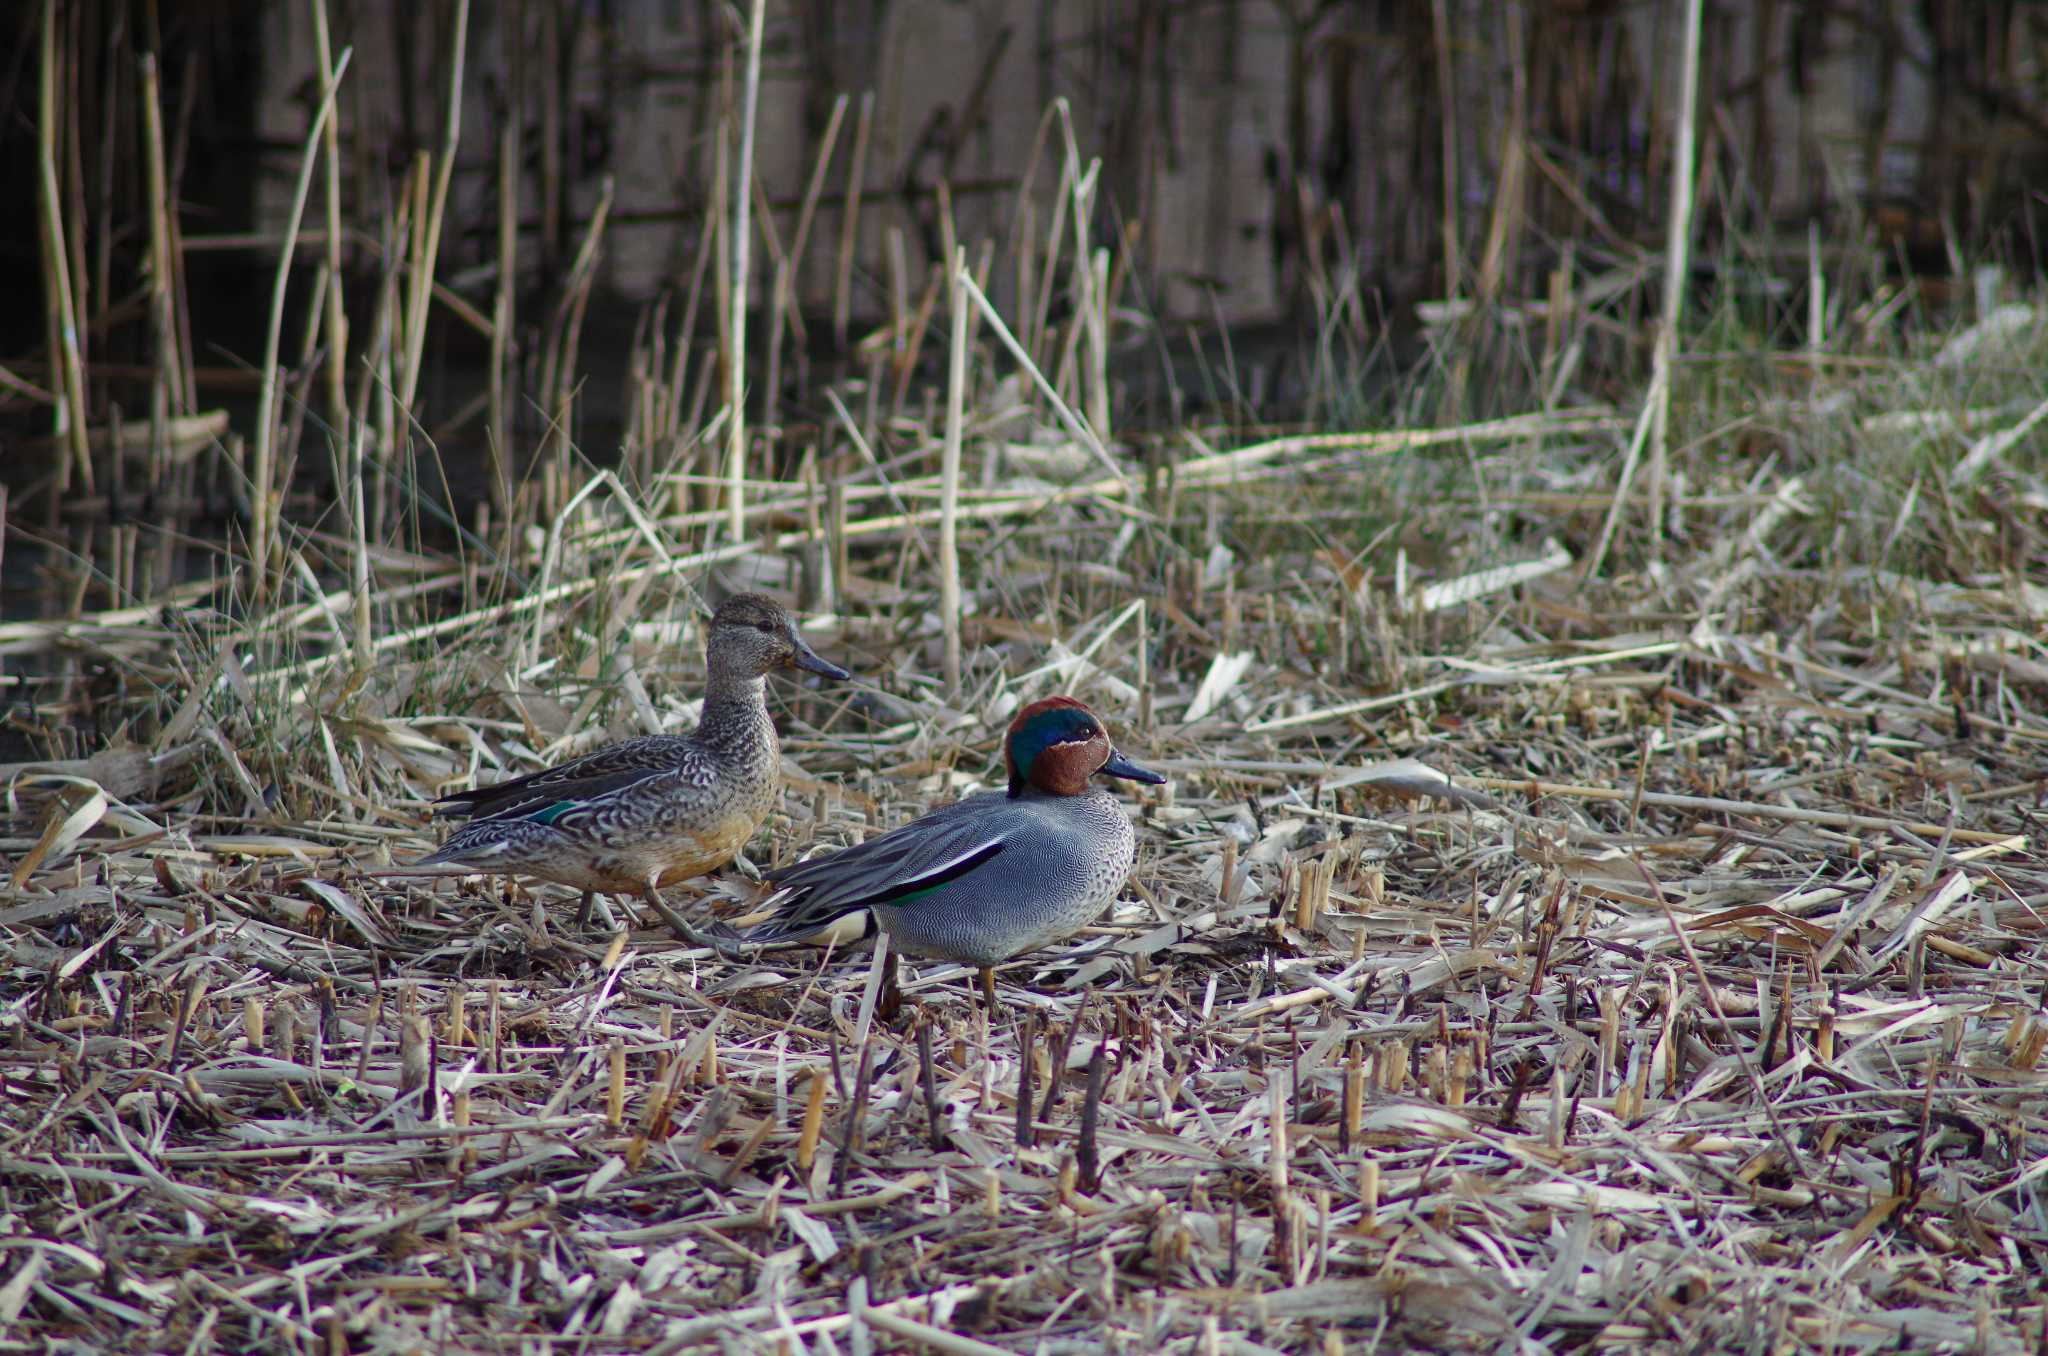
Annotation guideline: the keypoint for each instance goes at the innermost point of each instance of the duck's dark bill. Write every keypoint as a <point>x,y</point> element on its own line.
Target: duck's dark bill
<point>1120,766</point>
<point>807,659</point>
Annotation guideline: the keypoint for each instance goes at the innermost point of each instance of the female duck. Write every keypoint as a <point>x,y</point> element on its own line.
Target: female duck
<point>638,815</point>
<point>992,876</point>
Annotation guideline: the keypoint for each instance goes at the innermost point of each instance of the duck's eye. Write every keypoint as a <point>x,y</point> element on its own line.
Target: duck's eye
<point>765,627</point>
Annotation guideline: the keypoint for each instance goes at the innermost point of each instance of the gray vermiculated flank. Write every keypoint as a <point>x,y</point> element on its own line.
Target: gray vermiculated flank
<point>1063,859</point>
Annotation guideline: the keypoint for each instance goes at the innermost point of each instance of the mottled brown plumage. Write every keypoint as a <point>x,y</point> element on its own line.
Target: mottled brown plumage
<point>638,815</point>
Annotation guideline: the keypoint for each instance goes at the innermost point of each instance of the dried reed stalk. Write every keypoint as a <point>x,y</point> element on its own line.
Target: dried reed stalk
<point>736,368</point>
<point>167,384</point>
<point>949,469</point>
<point>505,301</point>
<point>1447,123</point>
<point>431,221</point>
<point>60,306</point>
<point>1654,417</point>
<point>1677,268</point>
<point>262,492</point>
<point>849,221</point>
<point>335,368</point>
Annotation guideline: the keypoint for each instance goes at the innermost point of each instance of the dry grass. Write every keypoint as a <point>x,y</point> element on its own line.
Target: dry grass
<point>1718,1034</point>
<point>1524,954</point>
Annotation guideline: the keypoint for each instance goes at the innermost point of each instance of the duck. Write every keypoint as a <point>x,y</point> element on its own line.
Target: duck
<point>993,875</point>
<point>635,816</point>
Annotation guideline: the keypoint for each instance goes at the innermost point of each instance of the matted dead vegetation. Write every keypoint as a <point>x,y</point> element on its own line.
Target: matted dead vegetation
<point>1648,961</point>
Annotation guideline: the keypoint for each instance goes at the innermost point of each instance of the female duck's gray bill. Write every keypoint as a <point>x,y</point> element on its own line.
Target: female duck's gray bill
<point>1120,766</point>
<point>807,659</point>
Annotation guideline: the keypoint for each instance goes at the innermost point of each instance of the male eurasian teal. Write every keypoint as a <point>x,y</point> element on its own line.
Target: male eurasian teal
<point>991,876</point>
<point>638,815</point>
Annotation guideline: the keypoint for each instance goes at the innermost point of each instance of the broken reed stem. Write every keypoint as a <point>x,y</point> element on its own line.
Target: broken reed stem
<point>260,495</point>
<point>949,472</point>
<point>928,1085</point>
<point>736,369</point>
<point>1816,292</point>
<point>1026,1080</point>
<point>899,304</point>
<point>1354,1101</point>
<point>1276,1127</point>
<point>1097,331</point>
<point>1087,1157</point>
<point>814,1120</point>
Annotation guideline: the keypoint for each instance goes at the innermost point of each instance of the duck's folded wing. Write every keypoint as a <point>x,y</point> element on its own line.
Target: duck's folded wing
<point>532,822</point>
<point>595,775</point>
<point>483,842</point>
<point>900,868</point>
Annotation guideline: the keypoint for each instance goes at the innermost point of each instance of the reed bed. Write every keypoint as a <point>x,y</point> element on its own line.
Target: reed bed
<point>1586,910</point>
<point>1648,960</point>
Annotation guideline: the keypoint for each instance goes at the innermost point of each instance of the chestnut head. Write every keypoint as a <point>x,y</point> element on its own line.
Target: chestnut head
<point>1057,744</point>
